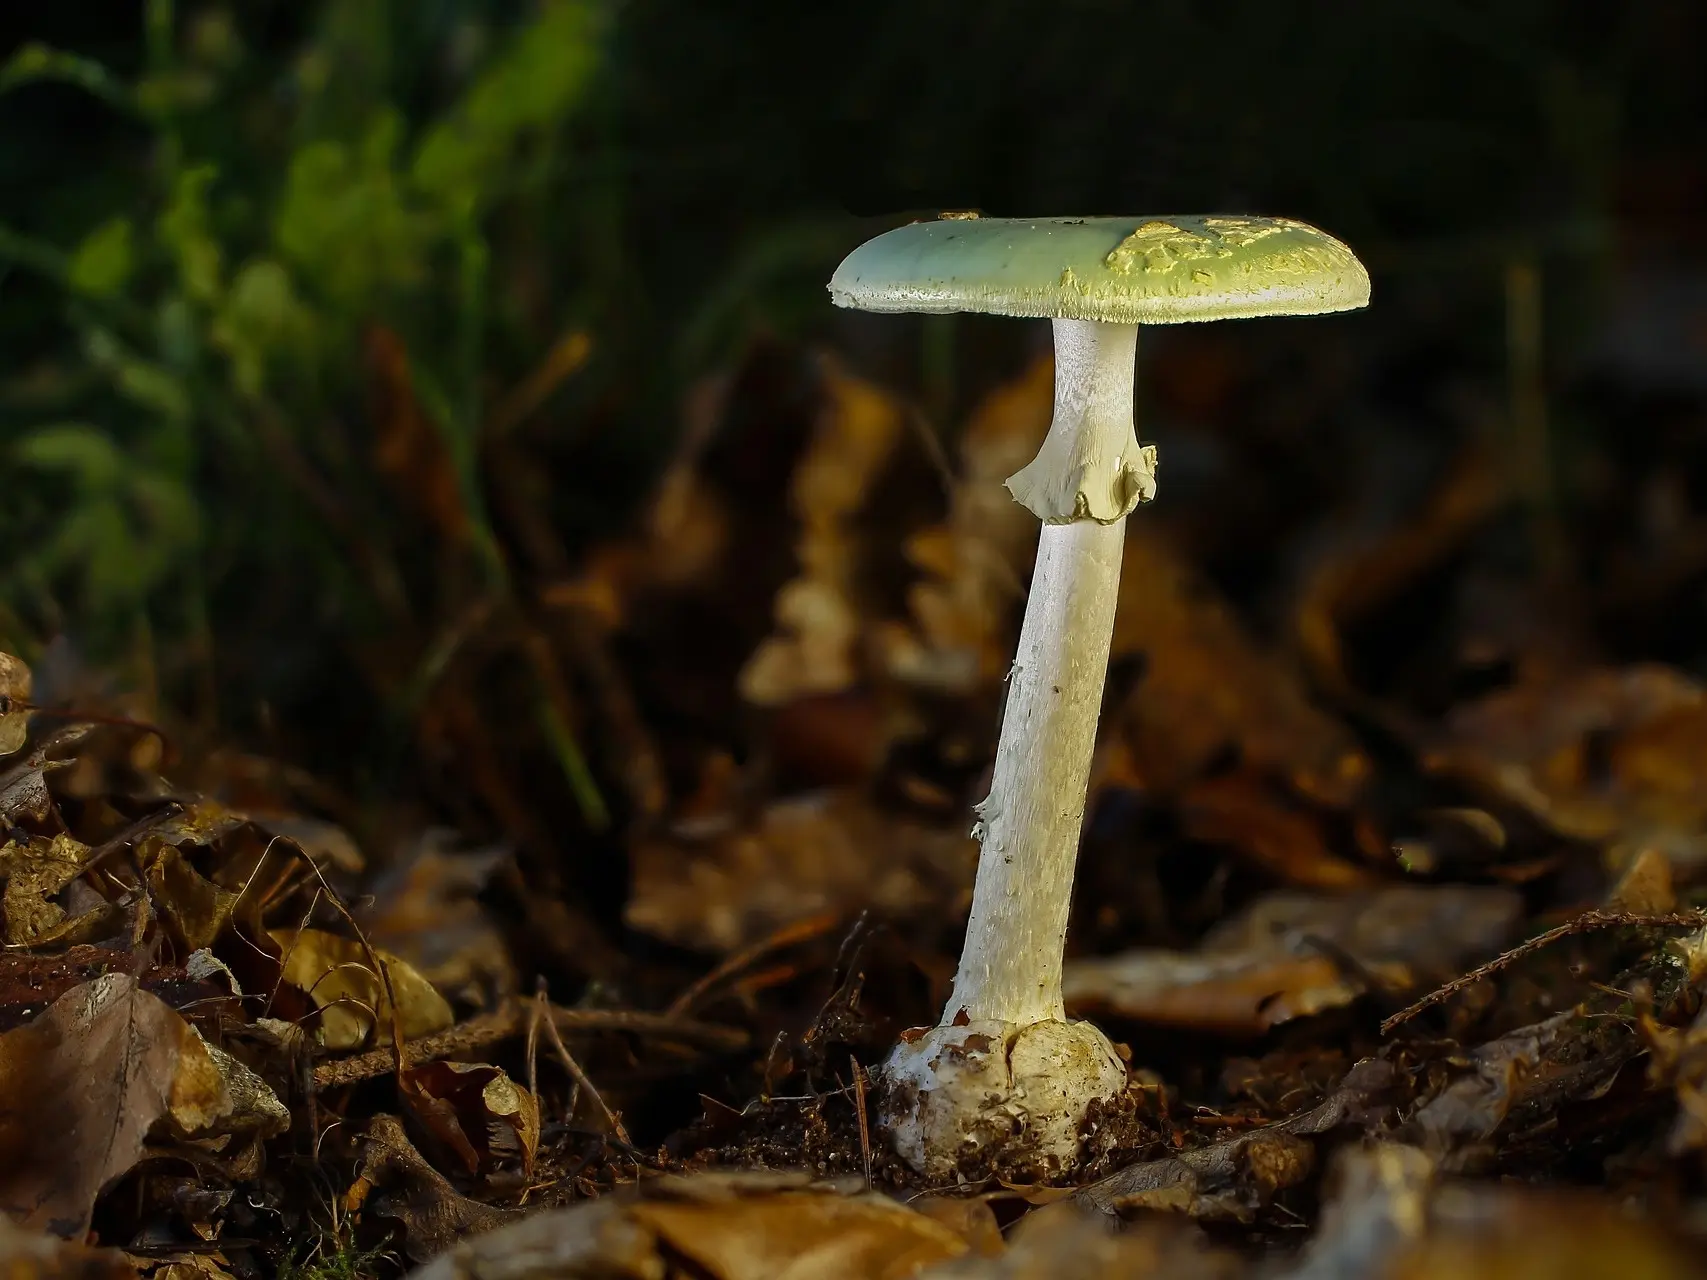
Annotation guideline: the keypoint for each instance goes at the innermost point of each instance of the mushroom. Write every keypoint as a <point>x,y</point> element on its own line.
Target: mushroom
<point>1006,1081</point>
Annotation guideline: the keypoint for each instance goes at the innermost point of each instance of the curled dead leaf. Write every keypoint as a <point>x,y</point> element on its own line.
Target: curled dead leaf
<point>474,1110</point>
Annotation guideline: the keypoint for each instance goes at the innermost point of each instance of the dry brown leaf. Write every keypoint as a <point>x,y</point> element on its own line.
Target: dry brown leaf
<point>800,1235</point>
<point>14,690</point>
<point>30,1255</point>
<point>960,636</point>
<point>816,647</point>
<point>1358,580</point>
<point>194,908</point>
<point>1207,690</point>
<point>23,790</point>
<point>1271,830</point>
<point>475,1110</point>
<point>339,978</point>
<point>1231,1181</point>
<point>408,450</point>
<point>1379,1204</point>
<point>1513,1233</point>
<point>427,910</point>
<point>807,855</point>
<point>189,1266</point>
<point>751,1226</point>
<point>1612,756</point>
<point>395,1181</point>
<point>1680,1060</point>
<point>1063,1240</point>
<point>36,871</point>
<point>80,1088</point>
<point>1291,955</point>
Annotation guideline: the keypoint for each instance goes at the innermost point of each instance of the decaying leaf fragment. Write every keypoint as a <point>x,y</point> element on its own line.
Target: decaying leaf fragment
<point>339,977</point>
<point>1290,955</point>
<point>82,1086</point>
<point>35,871</point>
<point>14,693</point>
<point>723,1226</point>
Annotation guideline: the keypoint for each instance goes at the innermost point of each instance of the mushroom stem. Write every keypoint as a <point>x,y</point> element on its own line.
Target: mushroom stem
<point>1010,969</point>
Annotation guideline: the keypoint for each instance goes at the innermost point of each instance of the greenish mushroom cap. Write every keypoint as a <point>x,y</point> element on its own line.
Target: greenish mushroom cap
<point>1121,270</point>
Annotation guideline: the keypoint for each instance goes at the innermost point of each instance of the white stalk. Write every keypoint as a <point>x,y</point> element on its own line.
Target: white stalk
<point>1005,1069</point>
<point>1088,475</point>
<point>1011,966</point>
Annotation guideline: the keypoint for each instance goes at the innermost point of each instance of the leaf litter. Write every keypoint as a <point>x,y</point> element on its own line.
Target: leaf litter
<point>1408,960</point>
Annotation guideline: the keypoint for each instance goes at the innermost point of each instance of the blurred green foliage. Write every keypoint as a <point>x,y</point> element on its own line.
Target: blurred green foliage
<point>214,316</point>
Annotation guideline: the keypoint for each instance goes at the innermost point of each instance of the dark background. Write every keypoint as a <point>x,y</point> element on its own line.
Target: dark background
<point>233,546</point>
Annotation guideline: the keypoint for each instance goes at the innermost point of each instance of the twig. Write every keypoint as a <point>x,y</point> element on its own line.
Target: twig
<point>477,1032</point>
<point>859,1110</point>
<point>537,1013</point>
<point>787,936</point>
<point>1587,921</point>
<point>582,1081</point>
<point>509,1020</point>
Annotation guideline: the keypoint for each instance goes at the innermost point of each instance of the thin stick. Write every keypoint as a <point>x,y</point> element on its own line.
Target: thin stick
<point>509,1020</point>
<point>477,1032</point>
<point>538,1011</point>
<point>859,1110</point>
<point>787,936</point>
<point>582,1081</point>
<point>1587,921</point>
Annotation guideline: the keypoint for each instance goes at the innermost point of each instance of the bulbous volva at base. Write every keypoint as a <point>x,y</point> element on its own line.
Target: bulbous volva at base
<point>987,1096</point>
